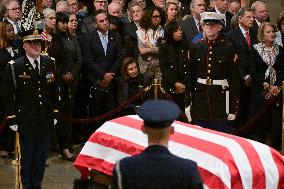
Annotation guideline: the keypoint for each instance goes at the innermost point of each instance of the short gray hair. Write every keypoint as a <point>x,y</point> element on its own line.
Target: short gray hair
<point>62,3</point>
<point>47,11</point>
<point>242,11</point>
<point>255,4</point>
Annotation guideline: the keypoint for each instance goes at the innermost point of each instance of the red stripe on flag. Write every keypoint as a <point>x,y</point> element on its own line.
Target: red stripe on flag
<point>116,143</point>
<point>214,149</point>
<point>258,171</point>
<point>257,168</point>
<point>211,180</point>
<point>279,161</point>
<point>94,163</point>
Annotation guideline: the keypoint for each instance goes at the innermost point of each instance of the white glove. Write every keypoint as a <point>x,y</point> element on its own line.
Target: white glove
<point>14,127</point>
<point>187,113</point>
<point>231,117</point>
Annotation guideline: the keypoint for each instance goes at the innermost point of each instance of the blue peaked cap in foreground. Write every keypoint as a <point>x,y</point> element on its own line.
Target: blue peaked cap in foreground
<point>157,113</point>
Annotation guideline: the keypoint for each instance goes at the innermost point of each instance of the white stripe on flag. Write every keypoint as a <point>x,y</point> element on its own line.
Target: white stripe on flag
<point>216,166</point>
<point>102,152</point>
<point>202,158</point>
<point>233,146</point>
<point>270,169</point>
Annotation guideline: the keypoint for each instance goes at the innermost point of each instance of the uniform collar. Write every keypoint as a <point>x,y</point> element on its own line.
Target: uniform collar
<point>31,60</point>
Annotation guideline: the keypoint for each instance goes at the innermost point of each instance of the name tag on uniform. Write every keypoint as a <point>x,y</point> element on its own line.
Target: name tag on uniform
<point>24,75</point>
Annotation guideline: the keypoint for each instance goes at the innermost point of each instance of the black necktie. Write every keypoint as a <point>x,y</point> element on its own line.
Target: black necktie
<point>36,66</point>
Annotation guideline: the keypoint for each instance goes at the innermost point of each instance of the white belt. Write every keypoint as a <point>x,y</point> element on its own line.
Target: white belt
<point>224,83</point>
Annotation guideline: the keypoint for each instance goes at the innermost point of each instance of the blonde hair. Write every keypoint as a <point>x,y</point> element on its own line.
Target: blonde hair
<point>260,33</point>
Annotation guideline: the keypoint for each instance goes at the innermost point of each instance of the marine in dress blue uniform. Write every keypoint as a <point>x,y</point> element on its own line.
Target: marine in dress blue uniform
<point>31,103</point>
<point>156,167</point>
<point>214,77</point>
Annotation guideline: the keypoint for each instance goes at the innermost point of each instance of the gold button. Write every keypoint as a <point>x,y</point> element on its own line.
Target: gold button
<point>210,47</point>
<point>209,71</point>
<point>209,58</point>
<point>209,65</point>
<point>208,77</point>
<point>210,52</point>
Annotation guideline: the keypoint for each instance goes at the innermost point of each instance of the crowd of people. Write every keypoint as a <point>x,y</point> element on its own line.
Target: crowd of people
<point>220,59</point>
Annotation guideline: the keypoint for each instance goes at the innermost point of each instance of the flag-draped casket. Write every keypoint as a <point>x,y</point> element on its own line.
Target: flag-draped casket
<point>224,161</point>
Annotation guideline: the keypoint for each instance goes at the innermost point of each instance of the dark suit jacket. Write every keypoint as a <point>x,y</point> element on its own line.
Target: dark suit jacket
<point>228,21</point>
<point>5,58</point>
<point>254,29</point>
<point>189,29</point>
<point>87,24</point>
<point>174,64</point>
<point>258,68</point>
<point>34,96</point>
<point>97,62</point>
<point>157,168</point>
<point>66,51</point>
<point>242,49</point>
<point>130,40</point>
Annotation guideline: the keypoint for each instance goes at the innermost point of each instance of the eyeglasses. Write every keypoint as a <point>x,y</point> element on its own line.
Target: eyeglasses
<point>156,16</point>
<point>101,2</point>
<point>14,9</point>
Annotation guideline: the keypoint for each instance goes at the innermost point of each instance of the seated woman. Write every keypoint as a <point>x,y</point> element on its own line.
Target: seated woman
<point>130,83</point>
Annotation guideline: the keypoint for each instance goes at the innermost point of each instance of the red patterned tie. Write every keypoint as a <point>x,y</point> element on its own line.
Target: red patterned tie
<point>248,39</point>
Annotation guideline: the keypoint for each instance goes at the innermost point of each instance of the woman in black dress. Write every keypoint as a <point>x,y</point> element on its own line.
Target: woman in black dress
<point>8,52</point>
<point>267,71</point>
<point>174,63</point>
<point>66,51</point>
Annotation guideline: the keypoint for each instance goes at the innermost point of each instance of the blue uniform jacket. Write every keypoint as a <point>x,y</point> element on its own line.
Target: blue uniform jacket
<point>157,168</point>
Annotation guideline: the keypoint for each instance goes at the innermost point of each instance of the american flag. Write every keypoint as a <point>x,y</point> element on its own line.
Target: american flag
<point>224,161</point>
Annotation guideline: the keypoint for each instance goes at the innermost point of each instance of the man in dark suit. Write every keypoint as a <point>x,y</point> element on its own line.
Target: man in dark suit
<point>13,15</point>
<point>221,8</point>
<point>104,55</point>
<point>243,38</point>
<point>130,36</point>
<point>156,167</point>
<point>30,104</point>
<point>259,9</point>
<point>191,25</point>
